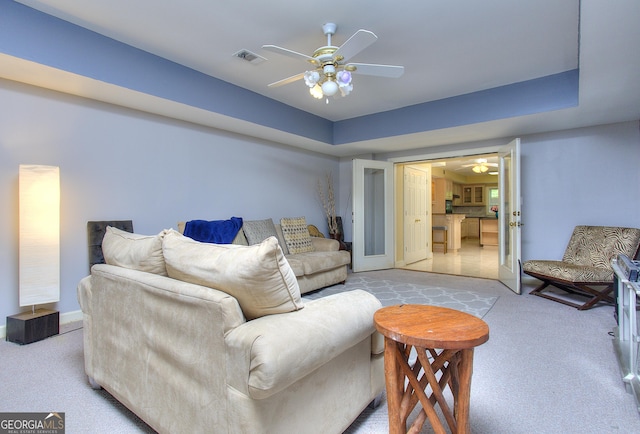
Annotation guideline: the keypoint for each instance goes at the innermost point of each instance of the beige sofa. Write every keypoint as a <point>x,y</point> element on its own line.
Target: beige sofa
<point>326,265</point>
<point>187,357</point>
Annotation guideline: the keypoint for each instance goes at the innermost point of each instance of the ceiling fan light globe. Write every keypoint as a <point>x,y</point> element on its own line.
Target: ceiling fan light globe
<point>329,88</point>
<point>316,91</point>
<point>311,78</point>
<point>343,77</point>
<point>345,89</point>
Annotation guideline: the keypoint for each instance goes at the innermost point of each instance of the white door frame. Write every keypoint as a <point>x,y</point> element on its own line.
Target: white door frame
<point>495,149</point>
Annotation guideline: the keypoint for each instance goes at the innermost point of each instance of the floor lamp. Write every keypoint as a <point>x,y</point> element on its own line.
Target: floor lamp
<point>39,254</point>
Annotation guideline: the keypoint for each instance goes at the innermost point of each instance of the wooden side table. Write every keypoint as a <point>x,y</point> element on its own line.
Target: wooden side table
<point>444,340</point>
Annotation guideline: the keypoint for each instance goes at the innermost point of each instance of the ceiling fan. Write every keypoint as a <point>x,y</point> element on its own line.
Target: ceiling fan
<point>331,74</point>
<point>480,165</point>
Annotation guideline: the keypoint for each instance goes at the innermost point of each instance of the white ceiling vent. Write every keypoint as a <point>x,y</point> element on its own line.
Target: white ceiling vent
<point>249,57</point>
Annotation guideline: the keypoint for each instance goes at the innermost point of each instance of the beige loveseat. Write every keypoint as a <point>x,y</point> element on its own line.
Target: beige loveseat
<point>325,265</point>
<point>216,339</point>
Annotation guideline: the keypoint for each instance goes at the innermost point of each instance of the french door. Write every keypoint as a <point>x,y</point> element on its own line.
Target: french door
<point>373,240</point>
<point>509,216</point>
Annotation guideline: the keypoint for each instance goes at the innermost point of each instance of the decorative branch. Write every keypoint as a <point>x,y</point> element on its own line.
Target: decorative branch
<point>328,201</point>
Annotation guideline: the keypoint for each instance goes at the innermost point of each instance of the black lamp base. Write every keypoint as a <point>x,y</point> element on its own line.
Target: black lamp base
<point>27,327</point>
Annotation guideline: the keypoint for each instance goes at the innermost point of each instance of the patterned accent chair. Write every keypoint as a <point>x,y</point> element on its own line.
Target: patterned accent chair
<point>585,268</point>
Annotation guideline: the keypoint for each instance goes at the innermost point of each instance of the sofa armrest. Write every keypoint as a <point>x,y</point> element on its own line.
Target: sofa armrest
<point>325,244</point>
<point>268,354</point>
<point>151,337</point>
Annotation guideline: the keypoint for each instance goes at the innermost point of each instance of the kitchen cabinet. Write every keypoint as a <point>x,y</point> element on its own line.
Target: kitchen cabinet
<point>472,227</point>
<point>489,232</point>
<point>457,194</point>
<point>448,189</point>
<point>441,190</point>
<point>473,195</point>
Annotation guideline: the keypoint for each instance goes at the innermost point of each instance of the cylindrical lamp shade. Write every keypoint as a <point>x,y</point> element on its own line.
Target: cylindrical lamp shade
<point>39,256</point>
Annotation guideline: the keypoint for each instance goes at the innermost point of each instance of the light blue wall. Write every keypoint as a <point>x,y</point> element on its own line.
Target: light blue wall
<point>587,176</point>
<point>121,164</point>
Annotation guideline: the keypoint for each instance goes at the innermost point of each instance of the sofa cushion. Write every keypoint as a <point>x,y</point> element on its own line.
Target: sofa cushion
<point>270,354</point>
<point>283,244</point>
<point>596,246</point>
<point>258,276</point>
<point>316,262</point>
<point>134,251</point>
<point>567,271</point>
<point>296,235</point>
<point>256,231</point>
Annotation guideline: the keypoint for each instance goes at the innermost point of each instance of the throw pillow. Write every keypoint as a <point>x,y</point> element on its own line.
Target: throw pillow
<point>256,231</point>
<point>134,251</point>
<point>281,241</point>
<point>296,235</point>
<point>258,276</point>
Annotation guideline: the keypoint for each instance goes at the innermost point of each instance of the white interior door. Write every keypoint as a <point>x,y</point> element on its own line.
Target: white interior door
<point>509,216</point>
<point>416,214</point>
<point>373,242</point>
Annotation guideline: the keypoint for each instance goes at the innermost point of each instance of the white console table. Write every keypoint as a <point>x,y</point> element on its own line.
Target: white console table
<point>626,335</point>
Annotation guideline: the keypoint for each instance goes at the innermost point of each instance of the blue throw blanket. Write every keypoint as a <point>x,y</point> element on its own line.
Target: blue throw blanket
<point>216,231</point>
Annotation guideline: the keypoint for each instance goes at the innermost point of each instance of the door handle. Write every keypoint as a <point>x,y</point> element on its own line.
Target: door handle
<point>417,220</point>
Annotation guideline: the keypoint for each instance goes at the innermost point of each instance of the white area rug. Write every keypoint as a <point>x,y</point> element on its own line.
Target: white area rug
<point>390,293</point>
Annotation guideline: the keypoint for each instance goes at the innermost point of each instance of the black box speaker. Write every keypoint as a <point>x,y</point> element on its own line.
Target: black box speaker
<point>28,327</point>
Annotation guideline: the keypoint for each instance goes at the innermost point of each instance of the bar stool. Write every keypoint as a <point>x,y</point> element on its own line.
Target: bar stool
<point>444,340</point>
<point>444,230</point>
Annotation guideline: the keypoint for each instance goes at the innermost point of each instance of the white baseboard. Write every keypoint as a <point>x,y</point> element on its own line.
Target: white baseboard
<point>65,318</point>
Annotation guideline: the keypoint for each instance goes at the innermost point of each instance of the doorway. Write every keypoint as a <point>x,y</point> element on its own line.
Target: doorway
<point>472,189</point>
<point>374,210</point>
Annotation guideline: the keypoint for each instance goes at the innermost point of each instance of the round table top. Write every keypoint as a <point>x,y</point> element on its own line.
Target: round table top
<point>431,326</point>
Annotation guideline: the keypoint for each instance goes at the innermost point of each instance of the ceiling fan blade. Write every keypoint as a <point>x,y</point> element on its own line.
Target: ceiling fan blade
<point>355,44</point>
<point>290,53</point>
<point>390,71</point>
<point>287,80</point>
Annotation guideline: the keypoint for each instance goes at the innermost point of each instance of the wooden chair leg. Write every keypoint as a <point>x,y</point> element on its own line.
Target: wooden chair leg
<point>598,296</point>
<point>593,295</point>
<point>539,289</point>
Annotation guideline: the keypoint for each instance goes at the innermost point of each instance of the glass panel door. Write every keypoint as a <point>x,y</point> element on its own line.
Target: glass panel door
<point>373,242</point>
<point>509,216</point>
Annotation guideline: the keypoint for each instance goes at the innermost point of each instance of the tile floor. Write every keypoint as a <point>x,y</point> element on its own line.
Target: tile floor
<point>470,260</point>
